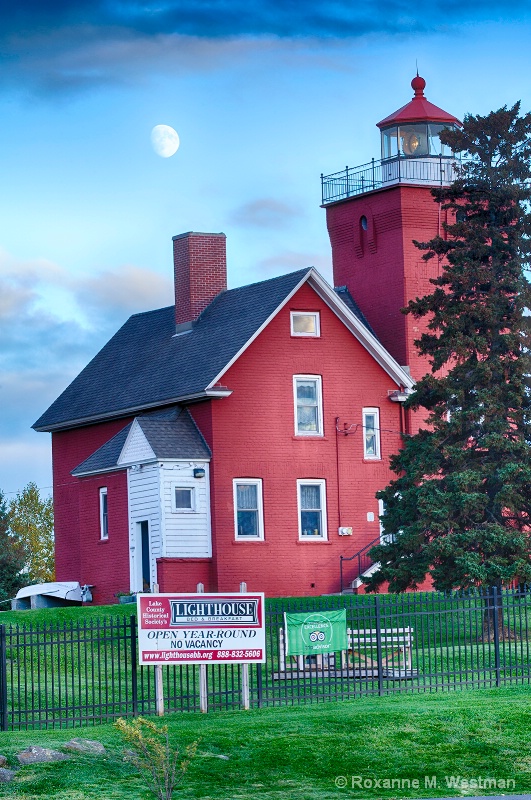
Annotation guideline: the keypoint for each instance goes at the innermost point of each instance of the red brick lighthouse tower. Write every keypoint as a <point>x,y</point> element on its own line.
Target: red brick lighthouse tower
<point>376,210</point>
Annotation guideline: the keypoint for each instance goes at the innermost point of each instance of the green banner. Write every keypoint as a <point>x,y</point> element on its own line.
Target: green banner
<point>316,632</point>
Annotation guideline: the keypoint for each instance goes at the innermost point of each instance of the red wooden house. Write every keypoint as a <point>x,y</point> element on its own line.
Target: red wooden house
<point>241,435</point>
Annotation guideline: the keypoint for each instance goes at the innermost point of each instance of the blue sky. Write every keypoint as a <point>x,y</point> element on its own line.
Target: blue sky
<point>264,95</point>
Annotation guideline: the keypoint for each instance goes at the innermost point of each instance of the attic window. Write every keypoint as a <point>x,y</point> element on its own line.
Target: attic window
<point>305,323</point>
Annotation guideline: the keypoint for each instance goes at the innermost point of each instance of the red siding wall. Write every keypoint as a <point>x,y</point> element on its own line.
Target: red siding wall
<point>382,267</point>
<point>252,435</point>
<point>183,574</point>
<point>80,553</point>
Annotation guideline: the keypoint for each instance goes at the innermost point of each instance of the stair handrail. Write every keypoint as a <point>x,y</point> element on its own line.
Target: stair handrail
<point>381,539</point>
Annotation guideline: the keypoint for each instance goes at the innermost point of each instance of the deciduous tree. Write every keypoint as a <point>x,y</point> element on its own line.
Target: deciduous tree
<point>31,521</point>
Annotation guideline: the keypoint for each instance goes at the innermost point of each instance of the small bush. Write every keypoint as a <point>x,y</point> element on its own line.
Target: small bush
<point>150,751</point>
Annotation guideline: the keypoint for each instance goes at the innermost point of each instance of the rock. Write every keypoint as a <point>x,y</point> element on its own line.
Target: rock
<point>214,755</point>
<point>36,755</point>
<point>6,775</point>
<point>3,761</point>
<point>85,746</point>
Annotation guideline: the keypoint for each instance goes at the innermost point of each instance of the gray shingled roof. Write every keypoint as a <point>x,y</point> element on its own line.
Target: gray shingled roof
<point>347,298</point>
<point>105,457</point>
<point>144,364</point>
<point>172,433</point>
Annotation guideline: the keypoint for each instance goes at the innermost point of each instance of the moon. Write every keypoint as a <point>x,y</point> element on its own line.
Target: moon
<point>165,140</point>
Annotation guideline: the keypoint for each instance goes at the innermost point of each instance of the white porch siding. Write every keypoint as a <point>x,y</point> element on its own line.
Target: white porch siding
<point>136,448</point>
<point>144,504</point>
<point>187,534</point>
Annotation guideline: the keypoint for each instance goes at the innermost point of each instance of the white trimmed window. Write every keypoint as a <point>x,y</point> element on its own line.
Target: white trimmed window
<point>311,501</point>
<point>305,323</point>
<point>371,433</point>
<point>308,395</point>
<point>104,514</point>
<point>248,509</point>
<point>183,499</point>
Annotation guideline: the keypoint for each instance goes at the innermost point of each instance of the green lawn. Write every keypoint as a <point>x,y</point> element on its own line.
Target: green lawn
<point>297,753</point>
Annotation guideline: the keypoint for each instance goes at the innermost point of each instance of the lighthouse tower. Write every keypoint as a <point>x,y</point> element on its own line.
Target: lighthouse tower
<point>376,210</point>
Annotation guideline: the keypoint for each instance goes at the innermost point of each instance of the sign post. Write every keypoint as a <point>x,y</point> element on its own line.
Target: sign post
<point>203,684</point>
<point>203,629</point>
<point>246,703</point>
<point>159,686</point>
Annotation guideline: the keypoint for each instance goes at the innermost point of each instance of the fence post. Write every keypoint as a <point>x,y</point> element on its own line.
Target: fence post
<point>134,664</point>
<point>3,679</point>
<point>379,659</point>
<point>496,633</point>
<point>260,685</point>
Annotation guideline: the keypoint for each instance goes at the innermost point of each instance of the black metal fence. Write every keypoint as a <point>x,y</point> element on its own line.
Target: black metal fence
<point>57,675</point>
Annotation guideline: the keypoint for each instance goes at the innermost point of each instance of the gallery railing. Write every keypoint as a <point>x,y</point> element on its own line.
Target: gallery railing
<point>427,170</point>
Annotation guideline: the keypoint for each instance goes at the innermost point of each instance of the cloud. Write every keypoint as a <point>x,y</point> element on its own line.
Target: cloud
<point>291,260</point>
<point>124,291</point>
<point>229,18</point>
<point>53,323</point>
<point>29,459</point>
<point>265,213</point>
<point>58,47</point>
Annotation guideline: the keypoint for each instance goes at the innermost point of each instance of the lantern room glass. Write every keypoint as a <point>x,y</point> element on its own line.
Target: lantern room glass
<point>416,139</point>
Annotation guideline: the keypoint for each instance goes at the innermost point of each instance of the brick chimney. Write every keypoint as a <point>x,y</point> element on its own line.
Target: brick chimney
<point>200,270</point>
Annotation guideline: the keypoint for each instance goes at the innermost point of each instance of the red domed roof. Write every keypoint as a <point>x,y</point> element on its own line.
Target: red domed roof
<point>419,109</point>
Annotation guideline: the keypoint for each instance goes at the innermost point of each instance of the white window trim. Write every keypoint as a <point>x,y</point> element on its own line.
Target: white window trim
<point>176,485</point>
<point>104,529</point>
<point>319,431</point>
<point>315,314</point>
<point>259,496</point>
<point>324,526</point>
<point>378,455</point>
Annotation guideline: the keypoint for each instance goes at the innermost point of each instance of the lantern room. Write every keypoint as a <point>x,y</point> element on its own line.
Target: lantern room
<point>412,152</point>
<point>414,130</point>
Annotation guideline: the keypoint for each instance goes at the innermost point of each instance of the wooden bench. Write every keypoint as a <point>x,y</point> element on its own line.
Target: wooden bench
<point>396,645</point>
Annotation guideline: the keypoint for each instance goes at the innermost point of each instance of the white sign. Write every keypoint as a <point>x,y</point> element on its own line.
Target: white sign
<point>201,628</point>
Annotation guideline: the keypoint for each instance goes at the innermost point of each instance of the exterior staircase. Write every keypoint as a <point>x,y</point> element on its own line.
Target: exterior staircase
<point>351,577</point>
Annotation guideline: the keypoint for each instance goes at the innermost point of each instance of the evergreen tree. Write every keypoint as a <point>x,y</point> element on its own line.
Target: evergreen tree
<point>460,506</point>
<point>11,557</point>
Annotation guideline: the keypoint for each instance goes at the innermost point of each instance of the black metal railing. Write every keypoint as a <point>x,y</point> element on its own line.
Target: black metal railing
<point>61,675</point>
<point>362,562</point>
<point>427,170</point>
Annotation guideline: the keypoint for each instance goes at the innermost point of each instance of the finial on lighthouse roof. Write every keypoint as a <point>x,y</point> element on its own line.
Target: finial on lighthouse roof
<point>418,109</point>
<point>418,84</point>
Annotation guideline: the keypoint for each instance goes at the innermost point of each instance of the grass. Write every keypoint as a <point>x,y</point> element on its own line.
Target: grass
<point>75,614</point>
<point>297,753</point>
